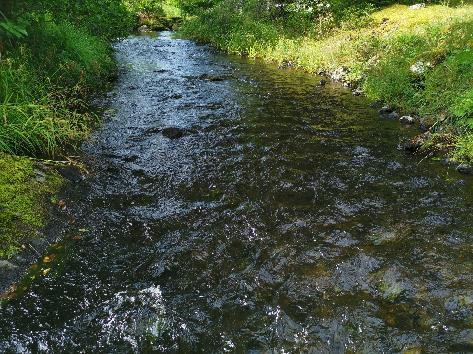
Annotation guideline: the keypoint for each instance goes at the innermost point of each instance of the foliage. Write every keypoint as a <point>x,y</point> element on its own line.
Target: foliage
<point>106,18</point>
<point>147,6</point>
<point>11,29</point>
<point>464,151</point>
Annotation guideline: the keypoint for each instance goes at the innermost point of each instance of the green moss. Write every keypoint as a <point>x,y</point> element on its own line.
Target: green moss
<point>23,188</point>
<point>464,151</point>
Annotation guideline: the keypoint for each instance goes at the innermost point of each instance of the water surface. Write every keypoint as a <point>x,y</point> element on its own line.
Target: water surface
<point>284,219</point>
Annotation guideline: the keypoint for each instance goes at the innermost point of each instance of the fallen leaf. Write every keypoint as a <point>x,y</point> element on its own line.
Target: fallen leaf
<point>62,204</point>
<point>49,259</point>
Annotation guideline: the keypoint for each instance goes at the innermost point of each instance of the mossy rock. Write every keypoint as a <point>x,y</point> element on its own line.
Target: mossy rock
<point>23,190</point>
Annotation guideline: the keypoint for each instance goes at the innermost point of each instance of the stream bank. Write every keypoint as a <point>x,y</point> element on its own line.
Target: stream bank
<point>416,60</point>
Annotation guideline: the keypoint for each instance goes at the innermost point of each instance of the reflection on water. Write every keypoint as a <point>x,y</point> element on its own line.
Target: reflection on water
<point>281,217</point>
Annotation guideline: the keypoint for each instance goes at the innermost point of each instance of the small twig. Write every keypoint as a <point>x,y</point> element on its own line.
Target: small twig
<point>425,157</point>
<point>34,249</point>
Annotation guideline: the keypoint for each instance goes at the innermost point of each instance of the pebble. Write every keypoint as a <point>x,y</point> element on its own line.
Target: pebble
<point>407,120</point>
<point>7,265</point>
<point>465,169</point>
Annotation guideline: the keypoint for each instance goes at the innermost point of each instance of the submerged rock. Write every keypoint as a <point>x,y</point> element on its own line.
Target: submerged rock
<point>385,111</point>
<point>450,162</point>
<point>6,265</point>
<point>465,168</point>
<point>388,113</point>
<point>71,173</point>
<point>208,77</point>
<point>463,342</point>
<point>173,132</point>
<point>376,104</point>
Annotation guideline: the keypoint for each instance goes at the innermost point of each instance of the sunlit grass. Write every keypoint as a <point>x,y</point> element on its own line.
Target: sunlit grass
<point>464,151</point>
<point>171,8</point>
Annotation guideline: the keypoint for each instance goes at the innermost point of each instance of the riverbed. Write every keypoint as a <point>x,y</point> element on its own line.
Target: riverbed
<point>235,207</point>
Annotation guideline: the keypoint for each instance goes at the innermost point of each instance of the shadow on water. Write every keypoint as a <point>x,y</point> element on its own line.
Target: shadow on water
<point>280,217</point>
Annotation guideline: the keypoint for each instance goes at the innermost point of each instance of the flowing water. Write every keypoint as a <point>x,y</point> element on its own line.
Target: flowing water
<point>281,217</point>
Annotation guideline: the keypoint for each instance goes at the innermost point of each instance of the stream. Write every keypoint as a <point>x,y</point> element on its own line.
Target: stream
<point>235,207</point>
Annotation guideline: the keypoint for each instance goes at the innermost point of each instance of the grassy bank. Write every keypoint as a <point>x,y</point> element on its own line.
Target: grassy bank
<point>54,55</point>
<point>419,61</point>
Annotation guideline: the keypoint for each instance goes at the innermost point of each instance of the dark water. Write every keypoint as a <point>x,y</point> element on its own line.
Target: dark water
<point>284,220</point>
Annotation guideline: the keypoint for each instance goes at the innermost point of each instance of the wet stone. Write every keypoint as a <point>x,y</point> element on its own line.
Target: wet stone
<point>6,265</point>
<point>466,169</point>
<point>71,173</point>
<point>416,143</point>
<point>385,111</point>
<point>208,77</point>
<point>393,286</point>
<point>357,92</point>
<point>460,307</point>
<point>154,130</point>
<point>381,236</point>
<point>174,132</point>
<point>463,342</point>
<point>40,176</point>
<point>407,120</point>
<point>376,104</point>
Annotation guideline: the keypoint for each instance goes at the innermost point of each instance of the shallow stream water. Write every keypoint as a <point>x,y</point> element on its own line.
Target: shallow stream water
<point>283,219</point>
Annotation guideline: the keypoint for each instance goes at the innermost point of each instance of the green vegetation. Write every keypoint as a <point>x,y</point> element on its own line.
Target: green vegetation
<point>54,54</point>
<point>420,61</point>
<point>22,191</point>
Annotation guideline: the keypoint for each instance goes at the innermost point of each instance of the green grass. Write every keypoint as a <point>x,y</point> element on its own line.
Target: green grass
<point>22,196</point>
<point>378,49</point>
<point>44,87</point>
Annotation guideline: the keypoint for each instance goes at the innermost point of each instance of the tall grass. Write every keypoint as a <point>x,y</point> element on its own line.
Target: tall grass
<point>44,85</point>
<point>47,77</point>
